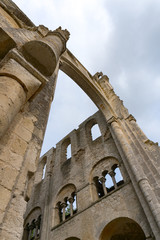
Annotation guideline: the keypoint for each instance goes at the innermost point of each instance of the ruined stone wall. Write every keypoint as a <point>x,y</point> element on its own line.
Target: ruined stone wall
<point>63,176</point>
<point>29,64</point>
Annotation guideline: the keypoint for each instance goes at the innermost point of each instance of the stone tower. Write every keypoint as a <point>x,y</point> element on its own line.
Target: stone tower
<point>108,189</point>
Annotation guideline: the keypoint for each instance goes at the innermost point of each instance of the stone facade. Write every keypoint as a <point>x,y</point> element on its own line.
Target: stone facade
<point>108,189</point>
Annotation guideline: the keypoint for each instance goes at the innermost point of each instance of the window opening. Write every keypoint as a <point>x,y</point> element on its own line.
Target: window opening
<point>68,151</point>
<point>44,171</point>
<point>74,204</point>
<point>109,183</point>
<point>67,208</point>
<point>118,177</point>
<point>95,132</point>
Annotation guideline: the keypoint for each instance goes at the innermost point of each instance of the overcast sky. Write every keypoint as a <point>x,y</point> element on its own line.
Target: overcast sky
<point>121,38</point>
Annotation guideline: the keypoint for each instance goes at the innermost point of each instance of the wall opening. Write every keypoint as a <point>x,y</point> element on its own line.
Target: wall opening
<point>122,229</point>
<point>95,132</point>
<point>68,151</point>
<point>44,171</point>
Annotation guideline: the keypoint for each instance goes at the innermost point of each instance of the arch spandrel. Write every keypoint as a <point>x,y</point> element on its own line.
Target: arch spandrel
<point>78,73</point>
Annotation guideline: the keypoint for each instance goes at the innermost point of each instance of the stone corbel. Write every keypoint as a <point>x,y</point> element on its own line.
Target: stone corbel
<point>151,143</point>
<point>111,120</point>
<point>131,118</point>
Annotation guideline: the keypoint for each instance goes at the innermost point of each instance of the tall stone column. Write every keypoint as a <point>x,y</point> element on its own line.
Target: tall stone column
<point>138,174</point>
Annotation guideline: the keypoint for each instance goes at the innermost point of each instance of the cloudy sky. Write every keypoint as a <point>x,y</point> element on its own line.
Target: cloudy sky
<point>121,38</point>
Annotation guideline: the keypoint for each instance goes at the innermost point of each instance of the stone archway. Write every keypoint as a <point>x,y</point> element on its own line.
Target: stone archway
<point>122,229</point>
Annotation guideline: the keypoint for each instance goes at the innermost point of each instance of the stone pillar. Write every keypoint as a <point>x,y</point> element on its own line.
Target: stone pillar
<point>71,200</point>
<point>112,174</point>
<point>148,194</point>
<point>63,206</point>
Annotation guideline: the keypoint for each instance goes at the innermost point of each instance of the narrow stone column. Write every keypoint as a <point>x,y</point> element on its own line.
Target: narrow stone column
<point>102,179</point>
<point>71,200</point>
<point>63,206</point>
<point>112,174</point>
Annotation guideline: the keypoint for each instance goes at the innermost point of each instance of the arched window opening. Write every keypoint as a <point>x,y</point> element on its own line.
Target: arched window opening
<point>95,132</point>
<point>32,231</point>
<point>32,225</point>
<point>67,208</point>
<point>118,176</point>
<point>44,171</point>
<point>109,183</point>
<point>68,152</point>
<point>74,203</point>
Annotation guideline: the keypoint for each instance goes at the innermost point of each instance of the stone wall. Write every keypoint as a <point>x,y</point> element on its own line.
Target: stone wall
<point>64,176</point>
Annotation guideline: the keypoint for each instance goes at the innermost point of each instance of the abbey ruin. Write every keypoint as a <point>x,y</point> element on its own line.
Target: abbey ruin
<point>108,189</point>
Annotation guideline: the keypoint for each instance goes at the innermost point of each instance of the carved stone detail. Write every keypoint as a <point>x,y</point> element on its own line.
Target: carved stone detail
<point>151,143</point>
<point>131,118</point>
<point>111,120</point>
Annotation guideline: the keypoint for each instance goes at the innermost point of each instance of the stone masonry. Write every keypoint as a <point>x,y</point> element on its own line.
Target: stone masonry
<point>108,188</point>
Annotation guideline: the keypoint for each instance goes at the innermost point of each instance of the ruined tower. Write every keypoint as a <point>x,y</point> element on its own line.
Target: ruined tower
<point>108,189</point>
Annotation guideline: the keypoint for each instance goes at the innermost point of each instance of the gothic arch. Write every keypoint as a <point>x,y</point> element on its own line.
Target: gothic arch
<point>121,229</point>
